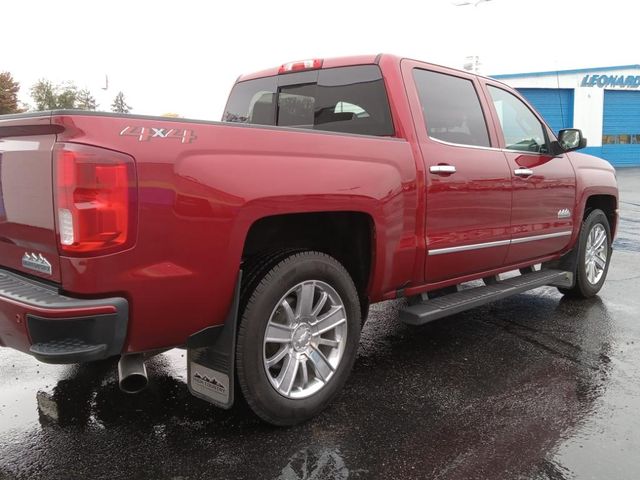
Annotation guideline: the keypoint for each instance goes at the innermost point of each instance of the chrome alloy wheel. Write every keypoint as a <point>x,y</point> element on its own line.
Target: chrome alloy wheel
<point>595,257</point>
<point>305,339</point>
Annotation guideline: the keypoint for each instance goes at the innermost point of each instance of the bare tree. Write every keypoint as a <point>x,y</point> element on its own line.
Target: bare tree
<point>86,101</point>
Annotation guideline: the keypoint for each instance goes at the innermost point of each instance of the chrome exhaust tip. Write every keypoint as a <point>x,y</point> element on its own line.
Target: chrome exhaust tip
<point>132,373</point>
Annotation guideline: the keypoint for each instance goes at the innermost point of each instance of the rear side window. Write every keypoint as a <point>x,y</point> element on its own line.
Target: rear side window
<point>252,102</point>
<point>451,108</point>
<point>346,99</point>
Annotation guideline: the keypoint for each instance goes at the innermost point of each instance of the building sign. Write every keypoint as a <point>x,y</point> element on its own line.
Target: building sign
<point>602,81</point>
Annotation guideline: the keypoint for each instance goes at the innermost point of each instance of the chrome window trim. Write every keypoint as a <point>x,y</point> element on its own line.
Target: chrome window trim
<point>478,147</point>
<point>498,243</point>
<point>451,144</point>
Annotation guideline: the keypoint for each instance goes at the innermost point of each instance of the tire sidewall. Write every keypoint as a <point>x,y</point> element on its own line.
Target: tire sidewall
<point>587,288</point>
<point>271,405</point>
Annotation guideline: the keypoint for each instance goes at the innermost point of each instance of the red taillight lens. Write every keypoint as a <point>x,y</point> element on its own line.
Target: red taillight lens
<point>95,199</point>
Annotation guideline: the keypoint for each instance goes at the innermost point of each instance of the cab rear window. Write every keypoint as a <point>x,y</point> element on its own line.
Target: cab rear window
<point>345,99</point>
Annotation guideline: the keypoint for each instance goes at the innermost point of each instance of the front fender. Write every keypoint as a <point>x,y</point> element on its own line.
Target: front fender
<point>594,176</point>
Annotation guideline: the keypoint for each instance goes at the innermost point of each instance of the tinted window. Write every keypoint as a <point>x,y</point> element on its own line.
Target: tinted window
<point>352,100</point>
<point>252,102</point>
<point>296,105</point>
<point>348,99</point>
<point>451,108</point>
<point>521,128</point>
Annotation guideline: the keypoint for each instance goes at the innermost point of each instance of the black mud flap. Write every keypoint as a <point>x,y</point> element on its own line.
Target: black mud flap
<point>569,263</point>
<point>211,359</point>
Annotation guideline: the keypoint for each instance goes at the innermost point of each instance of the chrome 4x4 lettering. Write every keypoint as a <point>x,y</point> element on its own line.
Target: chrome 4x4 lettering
<point>148,133</point>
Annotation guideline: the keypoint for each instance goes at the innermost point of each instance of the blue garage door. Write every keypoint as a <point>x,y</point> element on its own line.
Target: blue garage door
<point>621,128</point>
<point>554,104</point>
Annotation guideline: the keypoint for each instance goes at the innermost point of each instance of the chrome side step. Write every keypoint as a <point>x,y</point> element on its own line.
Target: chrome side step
<point>433,309</point>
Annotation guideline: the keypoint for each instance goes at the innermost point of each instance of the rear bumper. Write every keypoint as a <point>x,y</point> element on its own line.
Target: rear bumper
<point>36,319</point>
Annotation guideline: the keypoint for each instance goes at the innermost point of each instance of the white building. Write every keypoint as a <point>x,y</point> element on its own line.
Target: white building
<point>603,102</point>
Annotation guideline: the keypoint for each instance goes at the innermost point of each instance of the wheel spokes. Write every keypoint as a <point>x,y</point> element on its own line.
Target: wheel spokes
<point>599,240</point>
<point>596,254</point>
<point>274,360</point>
<point>291,316</point>
<point>305,299</point>
<point>277,333</point>
<point>288,374</point>
<point>320,305</point>
<point>328,342</point>
<point>305,339</point>
<point>320,363</point>
<point>330,320</point>
<point>305,372</point>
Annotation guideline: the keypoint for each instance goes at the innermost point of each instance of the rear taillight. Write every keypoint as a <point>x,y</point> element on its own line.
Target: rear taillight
<point>95,199</point>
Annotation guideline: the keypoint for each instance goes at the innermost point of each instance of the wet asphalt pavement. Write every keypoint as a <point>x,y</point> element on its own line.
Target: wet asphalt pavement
<point>531,387</point>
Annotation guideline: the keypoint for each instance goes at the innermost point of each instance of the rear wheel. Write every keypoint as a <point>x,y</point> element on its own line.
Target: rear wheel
<point>594,255</point>
<point>298,337</point>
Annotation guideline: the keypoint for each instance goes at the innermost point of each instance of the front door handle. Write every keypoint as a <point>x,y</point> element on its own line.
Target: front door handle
<point>440,169</point>
<point>523,172</point>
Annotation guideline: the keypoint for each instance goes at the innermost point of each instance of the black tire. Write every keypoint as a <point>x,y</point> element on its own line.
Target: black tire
<point>261,298</point>
<point>583,288</point>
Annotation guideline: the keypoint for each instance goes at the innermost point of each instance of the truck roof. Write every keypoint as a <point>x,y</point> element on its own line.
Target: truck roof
<point>326,63</point>
<point>356,60</point>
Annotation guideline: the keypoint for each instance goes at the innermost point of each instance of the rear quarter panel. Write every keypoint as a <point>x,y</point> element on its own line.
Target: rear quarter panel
<point>199,199</point>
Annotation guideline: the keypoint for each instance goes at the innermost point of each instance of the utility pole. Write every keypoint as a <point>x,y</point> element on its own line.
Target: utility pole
<point>472,64</point>
<point>465,3</point>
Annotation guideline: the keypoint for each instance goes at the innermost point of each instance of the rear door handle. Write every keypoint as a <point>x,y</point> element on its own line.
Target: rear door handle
<point>523,172</point>
<point>440,169</point>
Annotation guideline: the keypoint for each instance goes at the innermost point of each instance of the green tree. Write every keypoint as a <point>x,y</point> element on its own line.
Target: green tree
<point>43,95</point>
<point>8,94</point>
<point>85,101</point>
<point>67,96</point>
<point>48,96</point>
<point>119,105</point>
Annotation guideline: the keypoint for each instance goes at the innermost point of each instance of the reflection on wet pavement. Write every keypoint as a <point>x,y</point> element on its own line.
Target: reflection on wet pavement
<point>535,386</point>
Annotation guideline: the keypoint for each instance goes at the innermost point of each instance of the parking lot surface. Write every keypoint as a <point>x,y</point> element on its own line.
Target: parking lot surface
<point>532,387</point>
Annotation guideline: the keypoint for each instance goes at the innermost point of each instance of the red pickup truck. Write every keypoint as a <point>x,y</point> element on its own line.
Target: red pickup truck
<point>257,243</point>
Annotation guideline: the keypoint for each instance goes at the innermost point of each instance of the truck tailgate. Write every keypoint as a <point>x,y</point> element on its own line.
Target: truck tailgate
<point>28,241</point>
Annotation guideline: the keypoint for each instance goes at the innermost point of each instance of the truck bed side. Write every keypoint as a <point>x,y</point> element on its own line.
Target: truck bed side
<point>201,186</point>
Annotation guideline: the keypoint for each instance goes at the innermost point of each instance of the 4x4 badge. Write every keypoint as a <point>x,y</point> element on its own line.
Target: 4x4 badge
<point>564,213</point>
<point>36,262</point>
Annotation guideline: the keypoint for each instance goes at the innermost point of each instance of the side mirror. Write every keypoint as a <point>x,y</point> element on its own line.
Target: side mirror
<point>571,139</point>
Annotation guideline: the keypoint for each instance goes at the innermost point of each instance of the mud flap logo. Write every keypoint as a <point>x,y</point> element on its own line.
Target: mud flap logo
<point>205,382</point>
<point>209,383</point>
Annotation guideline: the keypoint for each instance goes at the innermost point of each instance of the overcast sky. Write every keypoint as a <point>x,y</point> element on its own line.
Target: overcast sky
<point>184,56</point>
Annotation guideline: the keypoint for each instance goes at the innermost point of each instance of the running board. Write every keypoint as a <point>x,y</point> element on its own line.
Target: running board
<point>429,310</point>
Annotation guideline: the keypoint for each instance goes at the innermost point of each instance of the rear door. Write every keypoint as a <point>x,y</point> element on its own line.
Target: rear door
<point>28,241</point>
<point>468,183</point>
<point>544,186</point>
